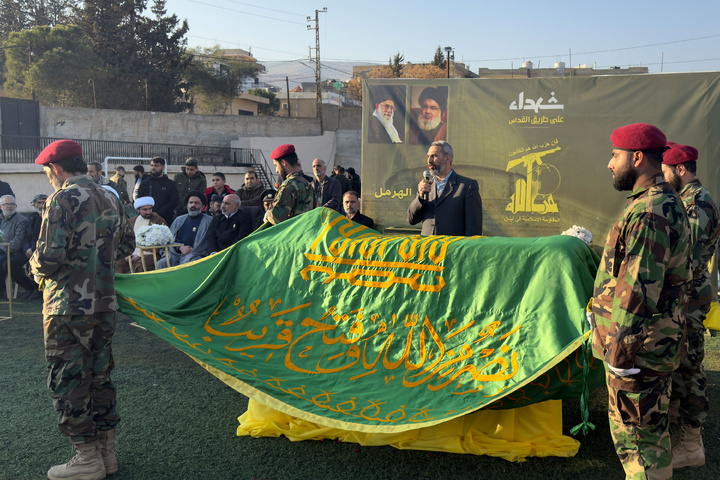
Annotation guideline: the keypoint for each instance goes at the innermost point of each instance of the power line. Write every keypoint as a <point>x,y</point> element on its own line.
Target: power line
<point>246,13</point>
<point>599,51</point>
<point>266,8</point>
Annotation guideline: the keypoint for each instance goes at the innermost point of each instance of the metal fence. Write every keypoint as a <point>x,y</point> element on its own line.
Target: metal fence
<point>19,149</point>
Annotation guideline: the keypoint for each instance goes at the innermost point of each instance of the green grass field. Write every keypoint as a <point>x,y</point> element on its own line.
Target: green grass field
<point>179,422</point>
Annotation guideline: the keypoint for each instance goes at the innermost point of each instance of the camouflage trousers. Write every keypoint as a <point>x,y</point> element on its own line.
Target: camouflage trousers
<point>689,401</point>
<point>639,425</point>
<point>78,350</point>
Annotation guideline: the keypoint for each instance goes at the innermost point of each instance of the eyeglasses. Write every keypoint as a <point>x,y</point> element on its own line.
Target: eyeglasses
<point>9,204</point>
<point>386,106</point>
<point>431,108</point>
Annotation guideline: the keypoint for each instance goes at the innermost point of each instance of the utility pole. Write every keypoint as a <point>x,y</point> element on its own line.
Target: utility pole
<point>318,90</point>
<point>449,50</point>
<point>287,87</point>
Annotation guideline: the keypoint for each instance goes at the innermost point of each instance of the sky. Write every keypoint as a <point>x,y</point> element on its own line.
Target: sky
<point>666,36</point>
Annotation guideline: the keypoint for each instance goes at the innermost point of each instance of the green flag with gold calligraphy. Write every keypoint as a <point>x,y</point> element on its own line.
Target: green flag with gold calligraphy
<point>332,322</point>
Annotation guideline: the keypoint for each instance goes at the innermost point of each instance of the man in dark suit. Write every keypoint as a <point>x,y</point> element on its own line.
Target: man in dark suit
<point>448,204</point>
<point>352,210</point>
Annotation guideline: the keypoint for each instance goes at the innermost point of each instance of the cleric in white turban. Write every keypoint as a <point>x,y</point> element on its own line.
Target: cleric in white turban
<point>144,202</point>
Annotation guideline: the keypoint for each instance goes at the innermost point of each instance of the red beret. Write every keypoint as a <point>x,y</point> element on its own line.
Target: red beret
<point>638,136</point>
<point>281,151</point>
<point>678,154</point>
<point>59,150</point>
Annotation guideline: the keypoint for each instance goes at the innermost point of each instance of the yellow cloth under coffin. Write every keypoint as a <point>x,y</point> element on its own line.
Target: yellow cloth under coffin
<point>515,434</point>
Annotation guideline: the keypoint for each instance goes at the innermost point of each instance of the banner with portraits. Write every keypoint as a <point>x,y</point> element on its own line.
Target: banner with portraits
<point>538,147</point>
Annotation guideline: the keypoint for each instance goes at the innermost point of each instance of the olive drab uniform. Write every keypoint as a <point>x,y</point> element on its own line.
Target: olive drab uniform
<point>295,196</point>
<point>83,233</point>
<point>639,307</point>
<point>689,402</point>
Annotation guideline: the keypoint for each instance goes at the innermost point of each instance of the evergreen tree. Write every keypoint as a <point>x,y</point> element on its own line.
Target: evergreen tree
<point>144,57</point>
<point>396,65</point>
<point>272,107</point>
<point>439,59</point>
<point>60,70</point>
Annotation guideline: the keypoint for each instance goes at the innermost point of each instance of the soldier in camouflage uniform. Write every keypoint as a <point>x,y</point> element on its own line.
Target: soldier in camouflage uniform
<point>295,195</point>
<point>688,401</point>
<point>83,233</point>
<point>640,301</point>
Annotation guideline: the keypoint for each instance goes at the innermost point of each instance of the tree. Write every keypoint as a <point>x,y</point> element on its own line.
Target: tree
<point>163,49</point>
<point>423,71</point>
<point>439,59</point>
<point>144,56</point>
<point>270,109</point>
<point>396,65</point>
<point>213,81</point>
<point>18,15</point>
<point>52,65</point>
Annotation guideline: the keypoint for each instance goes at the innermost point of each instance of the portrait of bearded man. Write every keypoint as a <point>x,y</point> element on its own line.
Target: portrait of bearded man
<point>387,122</point>
<point>427,121</point>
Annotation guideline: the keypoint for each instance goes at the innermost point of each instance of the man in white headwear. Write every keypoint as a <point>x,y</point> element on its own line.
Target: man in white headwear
<point>381,126</point>
<point>145,216</point>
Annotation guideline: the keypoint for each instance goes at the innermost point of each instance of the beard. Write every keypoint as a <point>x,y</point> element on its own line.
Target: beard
<point>428,124</point>
<point>625,179</point>
<point>675,182</point>
<point>384,119</point>
<point>283,173</point>
<point>194,213</point>
<point>54,180</point>
<point>155,175</point>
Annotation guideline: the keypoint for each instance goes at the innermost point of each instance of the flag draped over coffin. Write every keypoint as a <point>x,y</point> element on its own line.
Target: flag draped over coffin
<point>337,324</point>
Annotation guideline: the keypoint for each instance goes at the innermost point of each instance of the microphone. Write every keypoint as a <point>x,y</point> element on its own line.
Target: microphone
<point>427,176</point>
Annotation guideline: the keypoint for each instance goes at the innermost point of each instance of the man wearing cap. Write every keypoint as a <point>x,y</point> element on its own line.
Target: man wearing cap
<point>689,401</point>
<point>382,126</point>
<point>640,301</point>
<point>295,195</point>
<point>268,198</point>
<point>161,188</point>
<point>38,202</point>
<point>189,178</point>
<point>119,179</point>
<point>145,217</point>
<point>82,235</point>
<point>190,230</point>
<point>426,122</point>
<point>16,230</point>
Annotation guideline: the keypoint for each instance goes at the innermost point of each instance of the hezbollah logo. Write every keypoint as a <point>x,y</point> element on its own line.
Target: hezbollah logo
<point>533,194</point>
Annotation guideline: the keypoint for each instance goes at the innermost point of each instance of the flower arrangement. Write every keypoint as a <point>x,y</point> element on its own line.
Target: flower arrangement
<point>582,233</point>
<point>150,235</point>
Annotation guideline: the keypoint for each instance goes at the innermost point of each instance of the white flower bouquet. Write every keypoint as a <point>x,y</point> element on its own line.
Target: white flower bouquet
<point>150,235</point>
<point>582,233</point>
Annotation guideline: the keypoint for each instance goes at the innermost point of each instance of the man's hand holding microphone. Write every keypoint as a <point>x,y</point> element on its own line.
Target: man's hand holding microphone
<point>425,185</point>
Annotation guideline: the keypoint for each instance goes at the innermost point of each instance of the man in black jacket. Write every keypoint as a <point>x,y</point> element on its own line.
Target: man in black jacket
<point>232,225</point>
<point>162,189</point>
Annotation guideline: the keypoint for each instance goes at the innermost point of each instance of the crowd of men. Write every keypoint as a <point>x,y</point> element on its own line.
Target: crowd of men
<point>652,288</point>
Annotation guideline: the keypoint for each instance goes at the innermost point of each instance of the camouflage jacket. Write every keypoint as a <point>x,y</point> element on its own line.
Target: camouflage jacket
<point>295,196</point>
<point>84,231</point>
<point>704,221</point>
<point>640,297</point>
